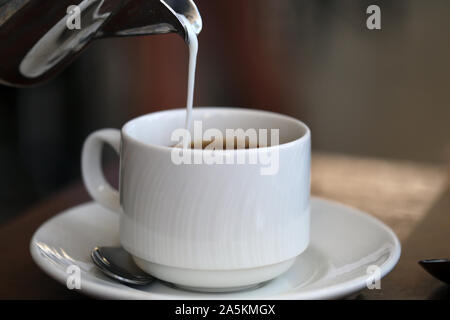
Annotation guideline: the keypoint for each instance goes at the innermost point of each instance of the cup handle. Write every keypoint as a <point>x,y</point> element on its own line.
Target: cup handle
<point>91,168</point>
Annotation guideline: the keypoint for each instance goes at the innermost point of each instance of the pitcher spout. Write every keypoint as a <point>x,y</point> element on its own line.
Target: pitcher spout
<point>147,17</point>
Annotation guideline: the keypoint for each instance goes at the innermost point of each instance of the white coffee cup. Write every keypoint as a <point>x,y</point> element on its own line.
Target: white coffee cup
<point>206,226</point>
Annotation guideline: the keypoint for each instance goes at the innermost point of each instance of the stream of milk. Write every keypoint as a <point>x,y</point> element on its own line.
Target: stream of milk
<point>192,43</point>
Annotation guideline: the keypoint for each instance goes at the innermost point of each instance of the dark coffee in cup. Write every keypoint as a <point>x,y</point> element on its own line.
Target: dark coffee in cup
<point>225,145</point>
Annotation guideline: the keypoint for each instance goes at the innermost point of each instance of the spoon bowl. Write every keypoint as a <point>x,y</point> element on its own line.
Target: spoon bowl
<point>438,268</point>
<point>118,264</point>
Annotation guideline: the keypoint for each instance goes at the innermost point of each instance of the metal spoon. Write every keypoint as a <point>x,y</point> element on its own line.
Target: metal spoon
<point>118,264</point>
<point>438,268</point>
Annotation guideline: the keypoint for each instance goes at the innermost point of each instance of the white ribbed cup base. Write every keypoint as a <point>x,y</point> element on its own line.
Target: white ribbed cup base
<point>214,280</point>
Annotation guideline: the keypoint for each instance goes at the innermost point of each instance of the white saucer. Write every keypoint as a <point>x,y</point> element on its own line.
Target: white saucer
<point>344,243</point>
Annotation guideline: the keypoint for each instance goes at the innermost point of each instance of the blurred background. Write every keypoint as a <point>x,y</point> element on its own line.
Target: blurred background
<point>376,93</point>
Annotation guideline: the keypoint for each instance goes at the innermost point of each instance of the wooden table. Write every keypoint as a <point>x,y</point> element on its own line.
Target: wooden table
<point>413,199</point>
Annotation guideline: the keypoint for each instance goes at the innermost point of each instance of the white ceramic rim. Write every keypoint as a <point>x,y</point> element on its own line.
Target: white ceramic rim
<point>304,137</point>
<point>334,291</point>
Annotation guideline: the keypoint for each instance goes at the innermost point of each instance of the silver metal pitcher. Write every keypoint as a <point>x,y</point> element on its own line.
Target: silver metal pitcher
<point>38,38</point>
